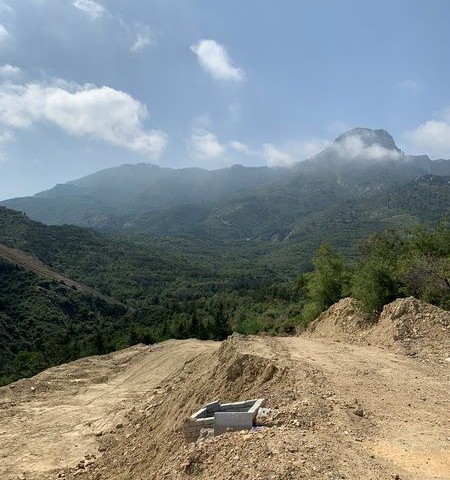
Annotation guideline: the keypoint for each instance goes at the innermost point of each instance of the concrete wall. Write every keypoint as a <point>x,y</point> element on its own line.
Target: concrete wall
<point>229,416</point>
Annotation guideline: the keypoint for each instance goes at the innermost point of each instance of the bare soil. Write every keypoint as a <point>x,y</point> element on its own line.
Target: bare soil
<point>338,411</point>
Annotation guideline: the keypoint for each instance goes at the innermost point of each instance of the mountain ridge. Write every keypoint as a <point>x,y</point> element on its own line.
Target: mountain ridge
<point>361,163</point>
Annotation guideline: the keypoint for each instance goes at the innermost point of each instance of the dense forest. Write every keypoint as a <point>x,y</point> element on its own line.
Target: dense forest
<point>178,288</point>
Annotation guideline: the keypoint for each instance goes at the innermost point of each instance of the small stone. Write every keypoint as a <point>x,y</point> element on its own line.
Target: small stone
<point>359,411</point>
<point>119,425</point>
<point>102,448</point>
<point>98,434</point>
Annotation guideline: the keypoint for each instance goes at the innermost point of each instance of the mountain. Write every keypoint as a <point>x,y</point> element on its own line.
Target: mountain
<point>369,138</point>
<point>359,164</point>
<point>107,197</point>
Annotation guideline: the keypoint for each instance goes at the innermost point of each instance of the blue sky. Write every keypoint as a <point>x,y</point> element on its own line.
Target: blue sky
<point>86,85</point>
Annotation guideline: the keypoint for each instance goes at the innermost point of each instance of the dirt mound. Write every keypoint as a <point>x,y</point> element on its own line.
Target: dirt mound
<point>407,326</point>
<point>414,328</point>
<point>336,411</point>
<point>342,322</point>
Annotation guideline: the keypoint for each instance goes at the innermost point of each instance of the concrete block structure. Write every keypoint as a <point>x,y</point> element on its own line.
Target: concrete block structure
<point>222,418</point>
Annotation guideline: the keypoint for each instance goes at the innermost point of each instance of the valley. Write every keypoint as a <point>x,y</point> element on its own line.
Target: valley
<point>197,253</point>
<point>224,240</point>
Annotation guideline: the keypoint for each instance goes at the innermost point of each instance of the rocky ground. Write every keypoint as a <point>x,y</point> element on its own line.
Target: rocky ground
<point>339,407</point>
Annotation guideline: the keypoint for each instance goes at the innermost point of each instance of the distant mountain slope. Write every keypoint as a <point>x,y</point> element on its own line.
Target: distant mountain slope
<point>107,197</point>
<point>361,163</point>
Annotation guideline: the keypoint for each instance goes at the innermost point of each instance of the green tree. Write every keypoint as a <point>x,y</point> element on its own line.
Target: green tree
<point>375,281</point>
<point>326,284</point>
<point>374,285</point>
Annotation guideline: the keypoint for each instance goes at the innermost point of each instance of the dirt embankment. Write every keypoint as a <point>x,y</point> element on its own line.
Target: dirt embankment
<point>406,326</point>
<point>338,411</point>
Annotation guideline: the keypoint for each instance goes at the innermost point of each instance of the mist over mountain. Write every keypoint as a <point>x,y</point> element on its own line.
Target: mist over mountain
<point>236,201</point>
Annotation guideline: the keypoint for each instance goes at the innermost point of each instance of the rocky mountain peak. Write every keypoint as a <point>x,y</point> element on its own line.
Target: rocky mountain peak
<point>369,138</point>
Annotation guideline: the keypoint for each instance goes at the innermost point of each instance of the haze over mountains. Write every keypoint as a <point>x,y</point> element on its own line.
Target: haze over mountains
<point>200,253</point>
<point>363,169</point>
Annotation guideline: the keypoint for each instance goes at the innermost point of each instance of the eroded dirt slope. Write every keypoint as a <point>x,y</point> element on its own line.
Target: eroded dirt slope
<point>407,325</point>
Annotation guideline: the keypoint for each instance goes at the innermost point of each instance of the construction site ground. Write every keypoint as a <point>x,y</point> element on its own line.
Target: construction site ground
<point>337,411</point>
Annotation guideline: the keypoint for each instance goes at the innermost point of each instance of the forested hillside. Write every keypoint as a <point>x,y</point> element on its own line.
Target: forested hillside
<point>182,287</point>
<point>45,323</point>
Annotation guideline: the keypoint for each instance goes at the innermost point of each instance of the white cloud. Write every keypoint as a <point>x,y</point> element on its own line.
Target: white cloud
<point>354,147</point>
<point>9,70</point>
<point>92,9</point>
<point>291,153</point>
<point>432,137</point>
<point>4,34</point>
<point>243,148</point>
<point>214,58</point>
<point>275,157</point>
<point>205,145</point>
<point>144,38</point>
<point>102,113</point>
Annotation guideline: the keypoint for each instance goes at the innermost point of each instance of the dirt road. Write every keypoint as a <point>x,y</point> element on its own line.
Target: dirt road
<point>403,424</point>
<point>49,422</point>
<point>408,401</point>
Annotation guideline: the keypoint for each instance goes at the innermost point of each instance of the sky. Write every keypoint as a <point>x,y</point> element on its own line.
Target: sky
<point>87,85</point>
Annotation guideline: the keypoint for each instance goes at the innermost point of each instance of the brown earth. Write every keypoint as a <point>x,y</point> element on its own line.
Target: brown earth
<point>406,326</point>
<point>338,411</point>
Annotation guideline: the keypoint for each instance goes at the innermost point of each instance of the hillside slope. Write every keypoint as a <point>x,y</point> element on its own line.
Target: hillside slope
<point>337,411</point>
<point>31,263</point>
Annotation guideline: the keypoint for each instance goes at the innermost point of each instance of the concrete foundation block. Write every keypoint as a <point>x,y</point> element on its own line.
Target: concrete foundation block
<point>233,421</point>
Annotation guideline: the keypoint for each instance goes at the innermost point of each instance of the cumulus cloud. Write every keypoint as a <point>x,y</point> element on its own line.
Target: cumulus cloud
<point>432,137</point>
<point>102,113</point>
<point>9,70</point>
<point>214,58</point>
<point>205,145</point>
<point>144,38</point>
<point>92,9</point>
